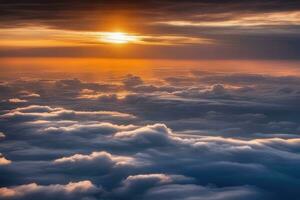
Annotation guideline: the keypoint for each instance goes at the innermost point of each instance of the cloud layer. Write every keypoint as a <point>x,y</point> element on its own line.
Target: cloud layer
<point>203,136</point>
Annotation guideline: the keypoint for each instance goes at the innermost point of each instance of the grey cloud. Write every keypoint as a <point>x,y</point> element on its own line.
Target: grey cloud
<point>46,11</point>
<point>45,112</point>
<point>234,41</point>
<point>130,81</point>
<point>193,192</point>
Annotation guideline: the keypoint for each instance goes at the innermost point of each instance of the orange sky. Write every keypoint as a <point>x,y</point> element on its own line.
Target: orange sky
<point>108,69</point>
<point>104,37</point>
<point>157,30</point>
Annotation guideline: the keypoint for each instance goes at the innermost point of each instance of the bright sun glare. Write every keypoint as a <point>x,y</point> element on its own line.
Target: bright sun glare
<point>118,37</point>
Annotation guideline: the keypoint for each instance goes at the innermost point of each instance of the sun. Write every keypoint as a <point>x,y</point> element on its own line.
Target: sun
<point>117,37</point>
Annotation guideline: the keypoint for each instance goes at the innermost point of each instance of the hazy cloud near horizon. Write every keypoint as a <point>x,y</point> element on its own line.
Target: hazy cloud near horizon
<point>170,29</point>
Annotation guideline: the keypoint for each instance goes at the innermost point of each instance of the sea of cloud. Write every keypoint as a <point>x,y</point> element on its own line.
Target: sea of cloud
<point>212,136</point>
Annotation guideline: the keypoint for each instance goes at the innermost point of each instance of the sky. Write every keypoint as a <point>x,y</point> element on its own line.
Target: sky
<point>160,29</point>
<point>126,100</point>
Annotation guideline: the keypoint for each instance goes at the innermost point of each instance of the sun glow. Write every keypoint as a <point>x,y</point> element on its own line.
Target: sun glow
<point>118,37</point>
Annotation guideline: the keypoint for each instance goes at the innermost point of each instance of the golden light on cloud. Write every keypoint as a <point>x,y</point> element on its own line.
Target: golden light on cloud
<point>244,20</point>
<point>40,36</point>
<point>118,37</point>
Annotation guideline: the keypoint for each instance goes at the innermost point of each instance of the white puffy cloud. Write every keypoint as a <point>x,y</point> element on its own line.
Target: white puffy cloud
<point>140,183</point>
<point>3,160</point>
<point>86,128</point>
<point>96,163</point>
<point>73,190</point>
<point>17,100</point>
<point>27,94</point>
<point>37,111</point>
<point>152,135</point>
<point>101,157</point>
<point>2,135</point>
<point>155,178</point>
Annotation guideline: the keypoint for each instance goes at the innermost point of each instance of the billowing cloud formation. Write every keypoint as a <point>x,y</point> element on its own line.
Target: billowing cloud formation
<point>16,100</point>
<point>94,163</point>
<point>48,112</point>
<point>3,160</point>
<point>142,182</point>
<point>72,190</point>
<point>157,134</point>
<point>2,135</point>
<point>202,136</point>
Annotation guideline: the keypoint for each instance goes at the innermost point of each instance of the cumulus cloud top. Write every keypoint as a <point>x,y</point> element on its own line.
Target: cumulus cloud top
<point>2,135</point>
<point>3,160</point>
<point>157,178</point>
<point>50,112</point>
<point>75,127</point>
<point>16,100</point>
<point>157,134</point>
<point>101,156</point>
<point>77,190</point>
